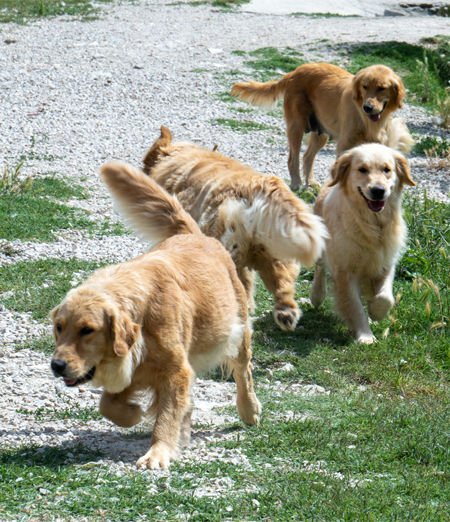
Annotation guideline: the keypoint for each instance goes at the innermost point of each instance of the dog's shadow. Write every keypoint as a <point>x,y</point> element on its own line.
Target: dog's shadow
<point>116,446</point>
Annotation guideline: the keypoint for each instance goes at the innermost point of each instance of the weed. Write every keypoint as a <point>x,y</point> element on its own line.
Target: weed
<point>443,103</point>
<point>424,146</point>
<point>73,410</point>
<point>11,181</point>
<point>436,160</point>
<point>270,62</point>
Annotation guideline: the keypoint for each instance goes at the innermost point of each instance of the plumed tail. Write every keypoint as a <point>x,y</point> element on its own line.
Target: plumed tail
<point>277,220</point>
<point>398,136</point>
<point>146,207</point>
<point>157,149</point>
<point>264,95</point>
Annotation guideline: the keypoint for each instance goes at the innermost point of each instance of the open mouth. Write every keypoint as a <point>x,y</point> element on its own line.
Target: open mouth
<point>81,380</point>
<point>376,117</point>
<point>375,206</point>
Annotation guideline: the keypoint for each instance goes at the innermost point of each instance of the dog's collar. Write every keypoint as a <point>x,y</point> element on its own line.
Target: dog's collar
<point>375,206</point>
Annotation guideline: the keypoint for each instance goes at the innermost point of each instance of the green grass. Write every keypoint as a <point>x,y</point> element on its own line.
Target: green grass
<point>38,286</point>
<point>403,58</point>
<point>71,411</point>
<point>377,448</point>
<point>325,15</point>
<point>269,62</point>
<point>243,126</point>
<point>429,144</point>
<point>35,211</point>
<point>21,11</point>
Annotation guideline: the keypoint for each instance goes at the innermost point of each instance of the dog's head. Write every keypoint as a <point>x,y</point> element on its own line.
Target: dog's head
<point>370,174</point>
<point>377,89</point>
<point>93,340</point>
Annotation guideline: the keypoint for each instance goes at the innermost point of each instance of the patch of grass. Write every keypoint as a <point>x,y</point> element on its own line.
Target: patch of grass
<point>32,210</point>
<point>243,126</point>
<point>424,146</point>
<point>22,11</point>
<point>270,62</point>
<point>200,71</point>
<point>424,71</point>
<point>45,344</point>
<point>38,286</point>
<point>73,410</point>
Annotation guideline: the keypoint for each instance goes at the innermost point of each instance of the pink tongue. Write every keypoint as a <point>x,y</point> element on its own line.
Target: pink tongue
<point>69,382</point>
<point>374,117</point>
<point>376,205</point>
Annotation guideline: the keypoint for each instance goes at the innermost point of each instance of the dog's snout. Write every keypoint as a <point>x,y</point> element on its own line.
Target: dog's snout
<point>377,192</point>
<point>58,366</point>
<point>367,108</point>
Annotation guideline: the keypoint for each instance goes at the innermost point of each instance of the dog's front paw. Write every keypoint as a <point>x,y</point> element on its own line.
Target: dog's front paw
<point>287,318</point>
<point>365,338</point>
<point>158,457</point>
<point>313,183</point>
<point>249,410</point>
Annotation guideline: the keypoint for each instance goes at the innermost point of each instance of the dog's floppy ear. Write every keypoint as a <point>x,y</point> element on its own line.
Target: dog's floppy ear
<point>156,150</point>
<point>52,315</point>
<point>403,170</point>
<point>399,90</point>
<point>341,169</point>
<point>124,333</point>
<point>356,87</point>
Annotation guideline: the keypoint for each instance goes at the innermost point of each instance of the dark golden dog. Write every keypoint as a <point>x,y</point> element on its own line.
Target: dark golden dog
<point>152,323</point>
<point>329,102</point>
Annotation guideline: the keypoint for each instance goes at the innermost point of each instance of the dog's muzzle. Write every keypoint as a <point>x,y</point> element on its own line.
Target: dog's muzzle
<point>373,117</point>
<point>59,368</point>
<point>375,206</point>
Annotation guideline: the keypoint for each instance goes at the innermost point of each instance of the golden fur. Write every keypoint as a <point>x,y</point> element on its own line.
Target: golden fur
<point>328,102</point>
<point>255,217</point>
<point>152,323</point>
<point>361,204</point>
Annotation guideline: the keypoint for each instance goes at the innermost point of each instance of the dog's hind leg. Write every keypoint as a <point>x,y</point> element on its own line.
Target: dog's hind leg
<point>247,403</point>
<point>296,126</point>
<point>279,278</point>
<point>382,300</point>
<point>318,291</point>
<point>247,277</point>
<point>315,143</point>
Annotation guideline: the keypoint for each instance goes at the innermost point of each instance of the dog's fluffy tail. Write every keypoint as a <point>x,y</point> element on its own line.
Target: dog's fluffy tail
<point>276,219</point>
<point>264,95</point>
<point>157,149</point>
<point>398,136</point>
<point>146,207</point>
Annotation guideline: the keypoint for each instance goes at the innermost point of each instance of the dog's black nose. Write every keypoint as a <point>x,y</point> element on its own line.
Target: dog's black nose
<point>58,366</point>
<point>367,108</point>
<point>377,192</point>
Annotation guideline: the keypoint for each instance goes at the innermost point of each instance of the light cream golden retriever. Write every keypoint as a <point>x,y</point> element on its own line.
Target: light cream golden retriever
<point>255,217</point>
<point>329,102</point>
<point>361,204</point>
<point>152,323</point>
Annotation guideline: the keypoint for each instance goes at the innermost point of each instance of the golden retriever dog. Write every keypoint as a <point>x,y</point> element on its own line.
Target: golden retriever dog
<point>329,102</point>
<point>361,204</point>
<point>255,217</point>
<point>152,323</point>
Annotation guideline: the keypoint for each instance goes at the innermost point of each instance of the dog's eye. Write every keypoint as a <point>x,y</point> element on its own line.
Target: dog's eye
<point>365,87</point>
<point>381,89</point>
<point>363,170</point>
<point>85,331</point>
<point>386,169</point>
<point>58,328</point>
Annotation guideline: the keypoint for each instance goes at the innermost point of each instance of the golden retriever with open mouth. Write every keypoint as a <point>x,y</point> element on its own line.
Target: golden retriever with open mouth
<point>255,217</point>
<point>152,323</point>
<point>361,204</point>
<point>329,102</point>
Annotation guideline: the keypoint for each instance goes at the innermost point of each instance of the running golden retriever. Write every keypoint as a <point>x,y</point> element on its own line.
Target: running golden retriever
<point>255,217</point>
<point>152,323</point>
<point>361,204</point>
<point>329,102</point>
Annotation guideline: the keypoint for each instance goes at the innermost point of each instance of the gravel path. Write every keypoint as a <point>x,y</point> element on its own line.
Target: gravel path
<point>92,92</point>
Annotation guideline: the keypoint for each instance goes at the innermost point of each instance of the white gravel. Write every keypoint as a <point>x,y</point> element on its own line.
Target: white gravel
<point>92,92</point>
